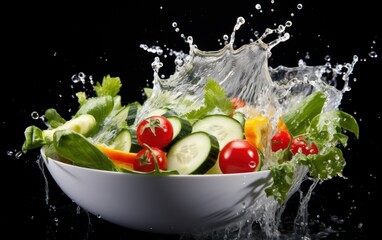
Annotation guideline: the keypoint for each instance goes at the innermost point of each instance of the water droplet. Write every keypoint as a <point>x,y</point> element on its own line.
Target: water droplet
<point>35,115</point>
<point>258,6</point>
<point>373,54</point>
<point>299,6</point>
<point>252,164</point>
<point>18,154</point>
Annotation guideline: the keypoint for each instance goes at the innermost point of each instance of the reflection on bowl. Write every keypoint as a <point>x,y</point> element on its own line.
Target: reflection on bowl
<point>170,204</point>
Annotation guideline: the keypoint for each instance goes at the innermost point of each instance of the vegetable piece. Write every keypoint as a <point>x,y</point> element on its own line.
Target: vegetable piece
<point>132,113</point>
<point>150,159</point>
<point>223,127</point>
<point>282,138</point>
<point>327,128</point>
<point>35,137</point>
<point>122,141</point>
<point>215,100</point>
<point>121,159</point>
<point>67,142</point>
<point>300,145</point>
<point>324,165</point>
<point>158,112</point>
<point>99,107</point>
<point>54,118</point>
<point>239,116</point>
<point>110,86</point>
<point>194,154</point>
<point>181,127</point>
<point>298,119</point>
<point>283,176</point>
<point>239,156</point>
<point>238,103</point>
<point>256,131</point>
<point>82,124</point>
<point>155,131</point>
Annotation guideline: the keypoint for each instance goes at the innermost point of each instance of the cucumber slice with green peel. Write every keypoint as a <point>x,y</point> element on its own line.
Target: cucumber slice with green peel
<point>135,147</point>
<point>239,116</point>
<point>132,113</point>
<point>122,141</point>
<point>194,154</point>
<point>181,126</point>
<point>170,113</point>
<point>223,127</point>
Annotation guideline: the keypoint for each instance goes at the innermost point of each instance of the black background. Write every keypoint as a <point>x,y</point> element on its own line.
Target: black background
<point>43,46</point>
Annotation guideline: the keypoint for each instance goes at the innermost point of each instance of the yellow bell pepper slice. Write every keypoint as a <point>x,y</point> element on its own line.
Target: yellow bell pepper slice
<point>256,131</point>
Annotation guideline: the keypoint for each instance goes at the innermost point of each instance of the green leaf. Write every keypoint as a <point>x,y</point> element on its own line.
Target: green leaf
<point>81,96</point>
<point>110,86</point>
<point>324,166</point>
<point>327,128</point>
<point>76,148</point>
<point>54,118</point>
<point>33,138</point>
<point>215,96</point>
<point>148,92</point>
<point>215,99</point>
<point>99,107</point>
<point>299,117</point>
<point>283,175</point>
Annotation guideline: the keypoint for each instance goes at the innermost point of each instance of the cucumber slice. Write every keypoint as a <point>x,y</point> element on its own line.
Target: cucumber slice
<point>181,127</point>
<point>122,141</point>
<point>223,127</point>
<point>157,112</point>
<point>132,113</point>
<point>135,147</point>
<point>194,154</point>
<point>239,116</point>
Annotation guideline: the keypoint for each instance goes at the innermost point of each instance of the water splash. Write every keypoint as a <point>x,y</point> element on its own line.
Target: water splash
<point>244,73</point>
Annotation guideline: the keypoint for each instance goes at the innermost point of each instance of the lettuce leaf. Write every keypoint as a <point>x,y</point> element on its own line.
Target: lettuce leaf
<point>327,130</point>
<point>298,119</point>
<point>215,99</point>
<point>76,148</point>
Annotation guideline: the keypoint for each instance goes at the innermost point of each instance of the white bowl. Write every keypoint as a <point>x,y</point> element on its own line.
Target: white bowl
<point>170,204</point>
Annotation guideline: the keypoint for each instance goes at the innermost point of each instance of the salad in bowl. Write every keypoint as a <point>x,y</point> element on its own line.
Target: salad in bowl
<point>136,166</point>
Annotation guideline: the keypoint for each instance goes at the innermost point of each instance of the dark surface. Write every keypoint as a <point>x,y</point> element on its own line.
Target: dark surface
<point>43,48</point>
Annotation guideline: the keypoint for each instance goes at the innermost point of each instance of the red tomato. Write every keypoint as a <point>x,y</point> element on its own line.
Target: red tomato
<point>280,140</point>
<point>144,161</point>
<point>299,145</point>
<point>155,131</point>
<point>238,103</point>
<point>239,156</point>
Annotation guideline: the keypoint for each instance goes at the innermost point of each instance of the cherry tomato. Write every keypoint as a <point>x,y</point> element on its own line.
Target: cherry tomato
<point>239,156</point>
<point>238,103</point>
<point>280,140</point>
<point>155,131</point>
<point>299,145</point>
<point>144,161</point>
